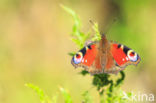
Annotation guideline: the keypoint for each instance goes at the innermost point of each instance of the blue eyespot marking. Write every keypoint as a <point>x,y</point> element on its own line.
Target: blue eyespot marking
<point>77,58</point>
<point>132,56</point>
<point>76,61</point>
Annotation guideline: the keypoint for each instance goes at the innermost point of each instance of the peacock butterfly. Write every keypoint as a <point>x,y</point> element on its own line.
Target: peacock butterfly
<point>105,57</point>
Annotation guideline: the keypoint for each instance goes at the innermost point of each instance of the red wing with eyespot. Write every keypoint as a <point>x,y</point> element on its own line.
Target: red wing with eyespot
<point>123,55</point>
<point>118,57</point>
<point>88,58</point>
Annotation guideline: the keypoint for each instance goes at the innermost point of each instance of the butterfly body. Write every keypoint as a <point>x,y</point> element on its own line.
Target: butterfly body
<point>104,57</point>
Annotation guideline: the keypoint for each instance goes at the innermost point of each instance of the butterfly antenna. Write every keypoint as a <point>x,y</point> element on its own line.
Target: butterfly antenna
<point>110,25</point>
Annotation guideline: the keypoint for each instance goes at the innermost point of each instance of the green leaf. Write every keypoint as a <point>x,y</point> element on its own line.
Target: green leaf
<point>78,37</point>
<point>71,53</point>
<point>77,23</point>
<point>86,97</point>
<point>66,95</point>
<point>84,72</point>
<point>43,98</point>
<point>54,98</point>
<point>76,41</point>
<point>120,80</point>
<point>97,35</point>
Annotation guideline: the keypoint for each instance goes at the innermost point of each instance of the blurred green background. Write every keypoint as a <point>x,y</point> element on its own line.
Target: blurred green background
<point>35,42</point>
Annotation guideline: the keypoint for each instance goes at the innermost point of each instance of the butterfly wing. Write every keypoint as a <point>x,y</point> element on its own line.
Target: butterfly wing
<point>122,56</point>
<point>88,58</point>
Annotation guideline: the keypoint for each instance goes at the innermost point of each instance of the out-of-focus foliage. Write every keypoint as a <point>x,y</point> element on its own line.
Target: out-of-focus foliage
<point>97,35</point>
<point>86,97</point>
<point>66,95</point>
<point>78,37</point>
<point>43,97</point>
<point>115,97</point>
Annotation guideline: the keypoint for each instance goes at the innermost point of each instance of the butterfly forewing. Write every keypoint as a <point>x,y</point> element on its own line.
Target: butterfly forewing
<point>123,55</point>
<point>90,59</point>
